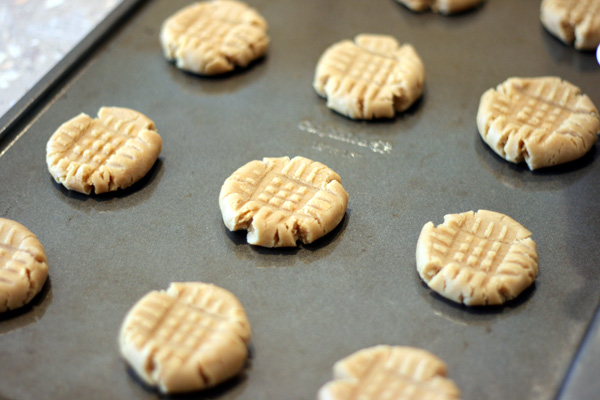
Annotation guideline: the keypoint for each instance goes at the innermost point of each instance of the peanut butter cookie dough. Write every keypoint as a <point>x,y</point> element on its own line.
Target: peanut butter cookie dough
<point>543,121</point>
<point>105,154</point>
<point>371,77</point>
<point>482,258</point>
<point>213,37</point>
<point>190,337</point>
<point>574,22</point>
<point>390,372</point>
<point>280,201</point>
<point>23,265</point>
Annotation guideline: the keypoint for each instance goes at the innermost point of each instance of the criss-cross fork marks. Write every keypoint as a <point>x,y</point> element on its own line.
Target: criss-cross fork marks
<point>8,273</point>
<point>204,31</point>
<point>95,143</point>
<point>371,77</point>
<point>207,20</point>
<point>480,258</point>
<point>211,22</point>
<point>23,268</point>
<point>545,108</point>
<point>181,330</point>
<point>466,248</point>
<point>486,247</point>
<point>534,111</point>
<point>14,257</point>
<point>174,330</point>
<point>577,21</point>
<point>291,189</point>
<point>214,37</point>
<point>362,65</point>
<point>402,377</point>
<point>390,373</point>
<point>543,121</point>
<point>282,201</point>
<point>290,196</point>
<point>103,154</point>
<point>360,73</point>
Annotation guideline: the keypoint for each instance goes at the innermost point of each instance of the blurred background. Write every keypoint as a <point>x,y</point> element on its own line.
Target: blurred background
<point>36,34</point>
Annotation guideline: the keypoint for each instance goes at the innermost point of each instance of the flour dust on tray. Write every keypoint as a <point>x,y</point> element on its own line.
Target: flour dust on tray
<point>282,201</point>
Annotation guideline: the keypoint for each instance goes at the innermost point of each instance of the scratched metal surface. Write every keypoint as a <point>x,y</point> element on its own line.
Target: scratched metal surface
<point>355,288</point>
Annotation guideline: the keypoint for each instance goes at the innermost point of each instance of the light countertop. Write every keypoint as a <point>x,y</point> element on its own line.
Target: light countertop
<point>36,34</point>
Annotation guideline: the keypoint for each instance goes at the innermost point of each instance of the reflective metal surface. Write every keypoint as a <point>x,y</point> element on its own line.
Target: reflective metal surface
<point>358,286</point>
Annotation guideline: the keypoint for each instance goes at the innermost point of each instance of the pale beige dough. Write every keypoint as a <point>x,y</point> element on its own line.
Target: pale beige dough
<point>574,22</point>
<point>23,265</point>
<point>372,77</point>
<point>543,121</point>
<point>390,372</point>
<point>280,201</point>
<point>482,258</point>
<point>190,337</point>
<point>104,154</point>
<point>441,6</point>
<point>213,37</point>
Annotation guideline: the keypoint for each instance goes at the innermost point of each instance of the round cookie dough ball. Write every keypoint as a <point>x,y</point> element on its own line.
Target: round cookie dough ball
<point>371,77</point>
<point>103,154</point>
<point>190,337</point>
<point>23,265</point>
<point>543,121</point>
<point>390,372</point>
<point>214,37</point>
<point>575,22</point>
<point>282,201</point>
<point>482,258</point>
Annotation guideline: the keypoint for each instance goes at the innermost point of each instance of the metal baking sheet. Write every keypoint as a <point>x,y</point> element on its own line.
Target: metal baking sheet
<point>355,288</point>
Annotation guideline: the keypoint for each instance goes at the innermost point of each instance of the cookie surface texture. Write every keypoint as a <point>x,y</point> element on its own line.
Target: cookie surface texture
<point>372,77</point>
<point>574,22</point>
<point>482,258</point>
<point>280,201</point>
<point>104,154</point>
<point>543,121</point>
<point>441,6</point>
<point>390,372</point>
<point>190,337</point>
<point>23,265</point>
<point>213,37</point>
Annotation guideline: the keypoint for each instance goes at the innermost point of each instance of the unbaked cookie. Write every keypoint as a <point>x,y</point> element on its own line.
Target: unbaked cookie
<point>190,337</point>
<point>482,258</point>
<point>104,154</point>
<point>573,21</point>
<point>280,201</point>
<point>213,37</point>
<point>372,77</point>
<point>543,121</point>
<point>386,372</point>
<point>23,265</point>
<point>441,6</point>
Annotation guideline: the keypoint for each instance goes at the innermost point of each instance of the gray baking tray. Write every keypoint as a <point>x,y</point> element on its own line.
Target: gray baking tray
<point>358,286</point>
